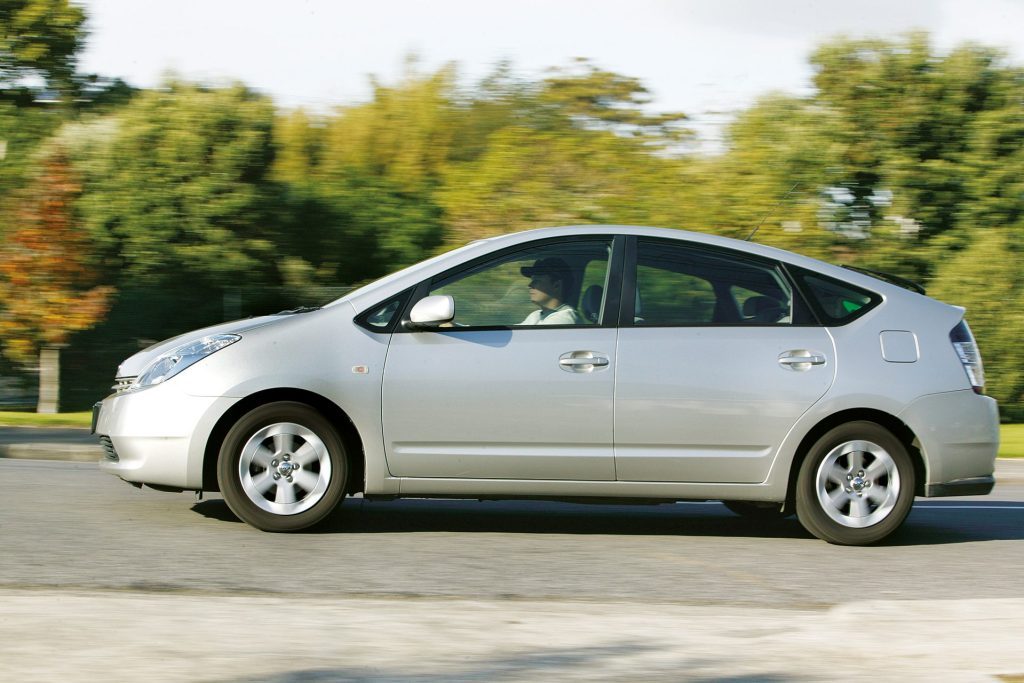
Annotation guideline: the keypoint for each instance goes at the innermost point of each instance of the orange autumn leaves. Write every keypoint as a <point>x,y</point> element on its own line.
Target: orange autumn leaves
<point>49,283</point>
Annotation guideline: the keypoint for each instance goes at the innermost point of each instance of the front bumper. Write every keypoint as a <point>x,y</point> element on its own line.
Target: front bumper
<point>958,433</point>
<point>158,435</point>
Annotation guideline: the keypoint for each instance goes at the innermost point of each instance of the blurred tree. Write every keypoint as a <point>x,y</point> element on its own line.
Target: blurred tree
<point>39,41</point>
<point>577,147</point>
<point>48,280</point>
<point>902,117</point>
<point>529,178</point>
<point>299,140</point>
<point>595,99</point>
<point>39,44</point>
<point>183,218</point>
<point>988,279</point>
<point>39,86</point>
<point>985,271</point>
<point>781,155</point>
<point>361,182</point>
<point>404,134</point>
<point>178,193</point>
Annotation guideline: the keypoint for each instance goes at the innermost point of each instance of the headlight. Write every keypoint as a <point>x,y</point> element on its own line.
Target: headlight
<point>171,363</point>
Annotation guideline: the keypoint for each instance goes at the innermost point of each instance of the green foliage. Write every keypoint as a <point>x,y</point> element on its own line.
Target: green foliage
<point>595,99</point>
<point>178,190</point>
<point>39,42</point>
<point>987,278</point>
<point>21,132</point>
<point>781,156</point>
<point>903,118</point>
<point>530,178</point>
<point>403,135</point>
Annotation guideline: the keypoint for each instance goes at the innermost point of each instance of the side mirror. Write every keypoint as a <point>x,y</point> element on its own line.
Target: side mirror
<point>431,311</point>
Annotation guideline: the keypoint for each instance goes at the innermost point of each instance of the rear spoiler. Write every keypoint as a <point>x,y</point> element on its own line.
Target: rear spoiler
<point>890,278</point>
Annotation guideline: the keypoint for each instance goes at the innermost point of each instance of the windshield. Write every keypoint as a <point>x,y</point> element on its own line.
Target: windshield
<point>398,274</point>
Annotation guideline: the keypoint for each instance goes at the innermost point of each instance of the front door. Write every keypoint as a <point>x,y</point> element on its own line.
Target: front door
<point>520,384</point>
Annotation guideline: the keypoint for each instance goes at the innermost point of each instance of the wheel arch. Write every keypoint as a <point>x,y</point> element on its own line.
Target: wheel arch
<point>326,407</point>
<point>890,422</point>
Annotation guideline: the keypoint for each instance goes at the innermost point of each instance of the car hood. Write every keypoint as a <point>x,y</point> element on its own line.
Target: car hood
<point>134,365</point>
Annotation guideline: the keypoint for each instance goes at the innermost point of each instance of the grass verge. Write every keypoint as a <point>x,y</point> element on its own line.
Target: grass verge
<point>19,419</point>
<point>1011,441</point>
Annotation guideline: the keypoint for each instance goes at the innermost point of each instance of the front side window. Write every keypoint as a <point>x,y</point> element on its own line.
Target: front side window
<point>677,284</point>
<point>562,283</point>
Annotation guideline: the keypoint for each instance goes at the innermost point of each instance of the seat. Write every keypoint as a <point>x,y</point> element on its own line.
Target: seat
<point>763,309</point>
<point>590,304</point>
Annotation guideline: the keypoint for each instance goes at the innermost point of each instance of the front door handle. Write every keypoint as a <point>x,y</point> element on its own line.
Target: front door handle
<point>573,362</point>
<point>582,361</point>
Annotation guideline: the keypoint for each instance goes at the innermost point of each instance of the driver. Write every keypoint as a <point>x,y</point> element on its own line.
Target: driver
<point>550,284</point>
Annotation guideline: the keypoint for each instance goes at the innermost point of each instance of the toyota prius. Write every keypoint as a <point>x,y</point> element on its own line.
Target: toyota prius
<point>590,362</point>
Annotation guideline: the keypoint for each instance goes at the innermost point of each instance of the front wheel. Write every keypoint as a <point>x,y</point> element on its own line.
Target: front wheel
<point>282,467</point>
<point>856,485</point>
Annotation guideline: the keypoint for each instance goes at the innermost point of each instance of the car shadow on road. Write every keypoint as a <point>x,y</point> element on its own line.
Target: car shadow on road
<point>948,523</point>
<point>927,524</point>
<point>553,663</point>
<point>358,516</point>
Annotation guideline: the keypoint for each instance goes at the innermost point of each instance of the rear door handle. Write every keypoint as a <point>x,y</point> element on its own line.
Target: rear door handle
<point>800,360</point>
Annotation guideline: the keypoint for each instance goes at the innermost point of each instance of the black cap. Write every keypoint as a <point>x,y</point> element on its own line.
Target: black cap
<point>549,266</point>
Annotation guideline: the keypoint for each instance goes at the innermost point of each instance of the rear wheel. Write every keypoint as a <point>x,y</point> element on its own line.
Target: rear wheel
<point>856,485</point>
<point>282,467</point>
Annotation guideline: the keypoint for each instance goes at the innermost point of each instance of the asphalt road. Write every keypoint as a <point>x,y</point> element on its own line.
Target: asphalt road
<point>67,524</point>
<point>70,535</point>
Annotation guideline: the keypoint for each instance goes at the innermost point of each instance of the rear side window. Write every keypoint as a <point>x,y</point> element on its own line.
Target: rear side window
<point>679,284</point>
<point>836,302</point>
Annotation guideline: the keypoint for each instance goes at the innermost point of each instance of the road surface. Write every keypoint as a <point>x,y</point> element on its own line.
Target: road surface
<point>99,580</point>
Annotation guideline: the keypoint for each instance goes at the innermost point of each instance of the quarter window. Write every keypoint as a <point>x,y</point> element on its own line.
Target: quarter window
<point>383,317</point>
<point>837,302</point>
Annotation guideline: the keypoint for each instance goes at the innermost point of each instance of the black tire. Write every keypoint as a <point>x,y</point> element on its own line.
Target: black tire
<point>856,485</point>
<point>763,512</point>
<point>302,483</point>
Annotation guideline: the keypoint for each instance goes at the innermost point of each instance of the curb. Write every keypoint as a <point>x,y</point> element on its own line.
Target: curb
<point>52,451</point>
<point>1010,470</point>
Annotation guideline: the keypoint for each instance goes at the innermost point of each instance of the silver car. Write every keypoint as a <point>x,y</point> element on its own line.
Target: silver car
<point>592,362</point>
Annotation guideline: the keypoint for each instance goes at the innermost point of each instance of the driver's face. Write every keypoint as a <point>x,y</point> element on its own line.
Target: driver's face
<point>544,290</point>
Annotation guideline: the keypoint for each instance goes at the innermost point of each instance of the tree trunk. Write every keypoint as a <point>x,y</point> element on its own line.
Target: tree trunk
<point>49,379</point>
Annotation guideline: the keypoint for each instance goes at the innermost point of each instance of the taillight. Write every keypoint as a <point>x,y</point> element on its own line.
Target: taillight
<point>967,351</point>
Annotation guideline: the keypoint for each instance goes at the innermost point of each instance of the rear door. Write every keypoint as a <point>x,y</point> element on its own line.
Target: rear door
<point>717,359</point>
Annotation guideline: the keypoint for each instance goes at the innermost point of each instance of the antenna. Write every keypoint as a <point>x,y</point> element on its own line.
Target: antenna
<point>771,211</point>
